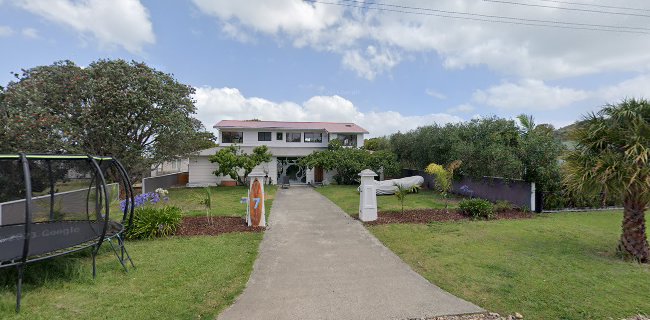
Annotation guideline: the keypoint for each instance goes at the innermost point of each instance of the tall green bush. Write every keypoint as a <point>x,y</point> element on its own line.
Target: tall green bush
<point>348,162</point>
<point>493,146</point>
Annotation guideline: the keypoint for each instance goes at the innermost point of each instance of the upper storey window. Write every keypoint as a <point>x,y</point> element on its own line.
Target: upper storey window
<point>313,137</point>
<point>263,136</point>
<point>232,137</point>
<point>293,136</point>
<point>348,140</point>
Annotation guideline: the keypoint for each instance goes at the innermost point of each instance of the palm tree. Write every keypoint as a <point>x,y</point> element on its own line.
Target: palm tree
<point>612,153</point>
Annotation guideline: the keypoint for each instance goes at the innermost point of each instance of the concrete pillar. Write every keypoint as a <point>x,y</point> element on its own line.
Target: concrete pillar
<point>367,196</point>
<point>256,211</point>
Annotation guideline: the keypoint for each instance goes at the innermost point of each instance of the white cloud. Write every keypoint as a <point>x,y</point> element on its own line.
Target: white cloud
<point>463,108</point>
<point>6,31</point>
<point>524,51</point>
<point>289,16</point>
<point>535,95</point>
<point>529,94</point>
<point>435,94</point>
<point>637,87</point>
<point>123,23</point>
<point>215,104</point>
<point>371,63</point>
<point>30,33</point>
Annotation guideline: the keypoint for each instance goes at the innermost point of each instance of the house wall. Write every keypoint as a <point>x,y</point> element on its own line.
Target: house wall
<point>201,171</point>
<point>180,165</point>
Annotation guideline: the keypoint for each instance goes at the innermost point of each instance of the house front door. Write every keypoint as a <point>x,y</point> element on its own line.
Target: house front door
<point>318,174</point>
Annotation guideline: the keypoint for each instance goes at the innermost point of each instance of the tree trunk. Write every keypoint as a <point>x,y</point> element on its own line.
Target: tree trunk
<point>633,239</point>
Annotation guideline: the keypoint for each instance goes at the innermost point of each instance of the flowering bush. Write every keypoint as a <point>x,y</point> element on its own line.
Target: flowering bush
<point>144,199</point>
<point>153,222</point>
<point>162,192</point>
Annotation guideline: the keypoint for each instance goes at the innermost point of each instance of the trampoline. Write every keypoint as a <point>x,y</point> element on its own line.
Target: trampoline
<point>53,205</point>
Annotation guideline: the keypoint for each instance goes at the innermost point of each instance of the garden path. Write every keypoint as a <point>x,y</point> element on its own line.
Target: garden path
<point>316,262</point>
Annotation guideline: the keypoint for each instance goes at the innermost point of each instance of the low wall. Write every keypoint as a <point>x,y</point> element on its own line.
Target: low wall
<point>517,192</point>
<point>75,201</point>
<point>164,181</point>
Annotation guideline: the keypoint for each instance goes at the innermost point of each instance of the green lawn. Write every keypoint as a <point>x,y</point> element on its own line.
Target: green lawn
<point>225,200</point>
<point>347,198</point>
<point>560,266</point>
<point>177,278</point>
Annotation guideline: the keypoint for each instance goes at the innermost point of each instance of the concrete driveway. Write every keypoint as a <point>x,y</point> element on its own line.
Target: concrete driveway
<point>316,262</point>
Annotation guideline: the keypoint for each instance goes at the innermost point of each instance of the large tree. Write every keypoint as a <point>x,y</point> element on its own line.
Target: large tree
<point>111,107</point>
<point>613,151</point>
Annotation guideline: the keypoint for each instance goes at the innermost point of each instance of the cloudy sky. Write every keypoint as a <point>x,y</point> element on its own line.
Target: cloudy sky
<point>387,65</point>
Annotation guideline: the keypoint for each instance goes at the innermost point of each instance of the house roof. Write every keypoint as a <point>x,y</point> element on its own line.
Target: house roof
<point>334,127</point>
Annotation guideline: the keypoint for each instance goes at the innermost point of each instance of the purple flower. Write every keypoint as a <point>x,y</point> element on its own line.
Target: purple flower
<point>143,199</point>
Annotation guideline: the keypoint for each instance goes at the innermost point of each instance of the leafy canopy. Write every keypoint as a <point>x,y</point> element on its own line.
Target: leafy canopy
<point>487,147</point>
<point>613,151</point>
<point>232,160</point>
<point>112,107</point>
<point>348,162</point>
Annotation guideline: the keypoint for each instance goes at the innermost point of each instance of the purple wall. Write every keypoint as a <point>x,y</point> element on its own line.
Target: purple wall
<point>516,192</point>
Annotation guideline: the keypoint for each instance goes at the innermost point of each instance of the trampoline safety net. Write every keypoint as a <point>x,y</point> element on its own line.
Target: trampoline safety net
<point>51,205</point>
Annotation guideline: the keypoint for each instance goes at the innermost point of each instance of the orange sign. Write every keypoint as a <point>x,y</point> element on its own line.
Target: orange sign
<point>256,203</point>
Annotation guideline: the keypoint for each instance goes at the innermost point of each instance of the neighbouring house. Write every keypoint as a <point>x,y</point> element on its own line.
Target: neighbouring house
<point>287,141</point>
<point>168,167</point>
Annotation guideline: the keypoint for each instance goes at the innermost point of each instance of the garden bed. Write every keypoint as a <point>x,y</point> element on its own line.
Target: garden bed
<point>438,215</point>
<point>195,226</point>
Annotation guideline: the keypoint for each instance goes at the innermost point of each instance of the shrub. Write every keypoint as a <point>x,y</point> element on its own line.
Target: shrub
<point>502,206</point>
<point>152,222</point>
<point>477,208</point>
<point>443,177</point>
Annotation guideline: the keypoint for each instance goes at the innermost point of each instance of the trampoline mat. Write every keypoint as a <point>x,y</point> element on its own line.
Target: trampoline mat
<point>48,237</point>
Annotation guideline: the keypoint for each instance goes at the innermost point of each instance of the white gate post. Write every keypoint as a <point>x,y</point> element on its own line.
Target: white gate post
<point>367,196</point>
<point>532,197</point>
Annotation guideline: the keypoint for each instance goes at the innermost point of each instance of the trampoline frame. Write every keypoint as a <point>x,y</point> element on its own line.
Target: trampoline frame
<point>98,179</point>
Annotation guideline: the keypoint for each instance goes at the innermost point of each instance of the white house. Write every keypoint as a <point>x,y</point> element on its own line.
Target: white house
<point>287,142</point>
<point>174,166</point>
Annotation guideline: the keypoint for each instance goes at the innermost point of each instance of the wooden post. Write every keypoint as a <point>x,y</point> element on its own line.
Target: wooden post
<point>256,210</point>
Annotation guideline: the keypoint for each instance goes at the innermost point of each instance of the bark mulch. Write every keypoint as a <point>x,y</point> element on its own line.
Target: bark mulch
<point>438,215</point>
<point>195,226</point>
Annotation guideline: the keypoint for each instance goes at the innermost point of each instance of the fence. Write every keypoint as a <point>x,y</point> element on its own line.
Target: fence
<point>12,212</point>
<point>164,181</point>
<point>517,192</point>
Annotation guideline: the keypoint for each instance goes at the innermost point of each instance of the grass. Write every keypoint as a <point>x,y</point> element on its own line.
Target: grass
<point>560,266</point>
<point>347,198</point>
<point>225,200</point>
<point>176,278</point>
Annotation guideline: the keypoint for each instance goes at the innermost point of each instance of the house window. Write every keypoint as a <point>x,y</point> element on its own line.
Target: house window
<point>278,136</point>
<point>176,164</point>
<point>293,136</point>
<point>348,140</point>
<point>263,136</point>
<point>313,137</point>
<point>232,137</point>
